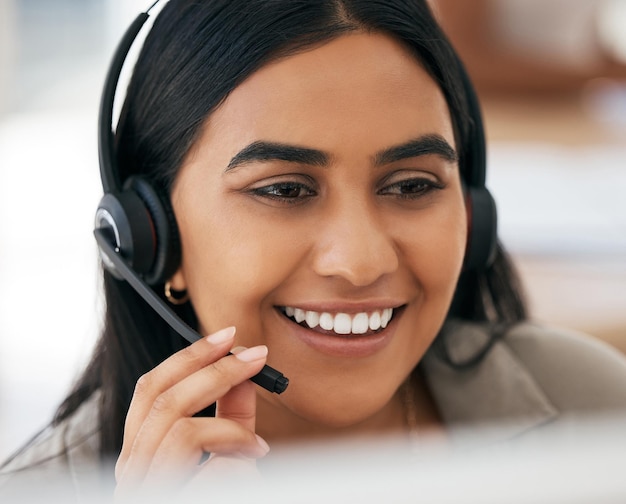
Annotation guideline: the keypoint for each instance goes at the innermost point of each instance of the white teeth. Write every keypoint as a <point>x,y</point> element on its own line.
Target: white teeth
<point>342,323</point>
<point>385,317</point>
<point>312,319</point>
<point>374,321</point>
<point>327,321</point>
<point>299,315</point>
<point>360,323</point>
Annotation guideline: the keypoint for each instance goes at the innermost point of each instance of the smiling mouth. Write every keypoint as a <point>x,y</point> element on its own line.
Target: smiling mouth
<point>341,324</point>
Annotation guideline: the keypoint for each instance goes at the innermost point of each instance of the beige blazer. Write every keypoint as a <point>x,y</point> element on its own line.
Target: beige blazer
<point>533,376</point>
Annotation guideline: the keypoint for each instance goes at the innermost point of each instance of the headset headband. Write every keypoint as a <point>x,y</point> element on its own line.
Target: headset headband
<point>109,176</point>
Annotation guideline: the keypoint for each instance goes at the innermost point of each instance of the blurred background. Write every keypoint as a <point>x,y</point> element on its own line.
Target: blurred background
<point>551,75</point>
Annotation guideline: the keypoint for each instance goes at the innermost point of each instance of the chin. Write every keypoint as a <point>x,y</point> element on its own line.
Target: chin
<point>345,410</point>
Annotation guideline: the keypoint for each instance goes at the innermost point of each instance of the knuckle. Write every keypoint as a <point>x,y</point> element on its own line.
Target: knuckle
<point>143,385</point>
<point>186,358</point>
<point>250,438</point>
<point>221,373</point>
<point>158,378</point>
<point>181,432</point>
<point>241,436</point>
<point>242,416</point>
<point>164,404</point>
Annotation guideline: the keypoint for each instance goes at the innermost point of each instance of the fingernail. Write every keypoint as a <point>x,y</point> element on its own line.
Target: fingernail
<point>262,443</point>
<point>221,336</point>
<point>252,354</point>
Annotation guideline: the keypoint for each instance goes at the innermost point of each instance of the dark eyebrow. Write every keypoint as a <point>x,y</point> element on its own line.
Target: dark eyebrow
<point>271,151</point>
<point>422,146</point>
<point>274,151</point>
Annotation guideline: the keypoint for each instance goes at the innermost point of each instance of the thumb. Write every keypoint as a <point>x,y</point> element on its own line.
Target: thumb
<point>239,404</point>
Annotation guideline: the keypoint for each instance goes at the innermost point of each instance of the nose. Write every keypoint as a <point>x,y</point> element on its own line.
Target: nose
<point>352,243</point>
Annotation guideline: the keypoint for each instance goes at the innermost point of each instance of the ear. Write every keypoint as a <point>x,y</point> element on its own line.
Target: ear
<point>177,280</point>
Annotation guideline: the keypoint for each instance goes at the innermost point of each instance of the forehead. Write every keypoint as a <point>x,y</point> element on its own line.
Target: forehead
<point>367,84</point>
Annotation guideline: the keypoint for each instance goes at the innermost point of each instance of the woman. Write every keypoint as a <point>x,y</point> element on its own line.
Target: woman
<point>316,156</point>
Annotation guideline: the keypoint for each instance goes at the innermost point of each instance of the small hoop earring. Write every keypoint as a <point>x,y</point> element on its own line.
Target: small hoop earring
<point>175,297</point>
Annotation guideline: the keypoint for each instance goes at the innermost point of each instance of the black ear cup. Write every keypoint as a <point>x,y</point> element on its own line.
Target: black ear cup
<point>482,234</point>
<point>126,220</point>
<point>166,258</point>
<point>142,225</point>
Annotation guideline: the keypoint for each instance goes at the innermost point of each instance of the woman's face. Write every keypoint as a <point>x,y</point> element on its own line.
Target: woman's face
<point>326,187</point>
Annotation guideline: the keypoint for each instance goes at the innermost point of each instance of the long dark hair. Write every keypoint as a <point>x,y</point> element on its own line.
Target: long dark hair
<point>196,53</point>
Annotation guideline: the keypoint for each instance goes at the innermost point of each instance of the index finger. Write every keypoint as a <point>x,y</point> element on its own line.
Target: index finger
<point>171,371</point>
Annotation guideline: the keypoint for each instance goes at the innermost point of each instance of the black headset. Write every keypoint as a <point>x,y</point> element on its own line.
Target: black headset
<point>482,237</point>
<point>136,215</point>
<point>138,222</point>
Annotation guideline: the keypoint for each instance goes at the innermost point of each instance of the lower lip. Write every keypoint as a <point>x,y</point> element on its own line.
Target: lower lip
<point>344,346</point>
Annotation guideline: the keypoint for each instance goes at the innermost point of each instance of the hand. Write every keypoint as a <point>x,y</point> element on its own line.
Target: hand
<point>163,442</point>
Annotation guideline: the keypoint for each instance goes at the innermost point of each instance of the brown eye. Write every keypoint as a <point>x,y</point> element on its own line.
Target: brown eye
<point>411,188</point>
<point>285,191</point>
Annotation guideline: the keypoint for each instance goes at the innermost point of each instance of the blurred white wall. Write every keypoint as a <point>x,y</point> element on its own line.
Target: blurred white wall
<point>53,58</point>
<point>7,51</point>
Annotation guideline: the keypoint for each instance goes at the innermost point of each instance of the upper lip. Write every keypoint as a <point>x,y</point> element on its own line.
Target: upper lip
<point>344,307</point>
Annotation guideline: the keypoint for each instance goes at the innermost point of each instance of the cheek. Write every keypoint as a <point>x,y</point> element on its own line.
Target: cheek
<point>231,263</point>
<point>434,249</point>
<point>433,255</point>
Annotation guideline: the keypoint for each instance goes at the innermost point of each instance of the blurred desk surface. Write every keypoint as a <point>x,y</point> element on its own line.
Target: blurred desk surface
<point>570,246</point>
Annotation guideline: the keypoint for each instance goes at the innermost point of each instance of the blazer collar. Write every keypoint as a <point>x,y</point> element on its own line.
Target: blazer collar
<point>498,396</point>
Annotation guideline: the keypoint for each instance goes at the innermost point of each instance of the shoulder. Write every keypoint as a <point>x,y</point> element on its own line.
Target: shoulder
<point>576,371</point>
<point>58,460</point>
<point>482,372</point>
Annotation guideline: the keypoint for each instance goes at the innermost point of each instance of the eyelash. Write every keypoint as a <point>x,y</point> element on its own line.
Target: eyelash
<point>271,191</point>
<point>425,187</point>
